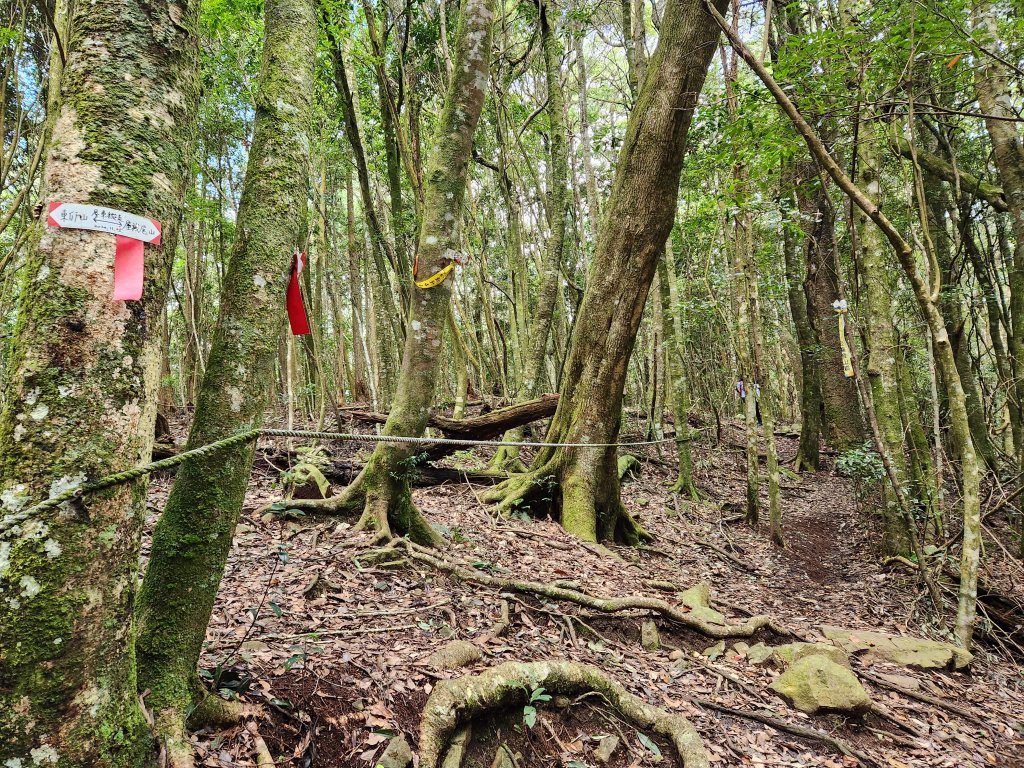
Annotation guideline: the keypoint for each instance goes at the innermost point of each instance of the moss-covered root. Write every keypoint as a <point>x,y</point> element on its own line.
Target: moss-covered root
<point>668,611</point>
<point>171,725</point>
<point>526,490</point>
<point>382,497</point>
<point>458,701</point>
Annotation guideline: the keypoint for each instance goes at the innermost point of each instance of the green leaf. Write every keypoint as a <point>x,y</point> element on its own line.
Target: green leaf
<point>649,744</point>
<point>530,716</point>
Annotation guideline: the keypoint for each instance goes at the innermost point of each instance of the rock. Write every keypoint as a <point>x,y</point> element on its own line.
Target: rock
<point>605,749</point>
<point>715,650</point>
<point>739,650</point>
<point>707,615</point>
<point>817,684</point>
<point>900,681</point>
<point>676,655</point>
<point>787,654</point>
<point>697,595</point>
<point>504,758</point>
<point>397,754</point>
<point>457,653</point>
<point>649,637</point>
<point>908,651</point>
<point>760,653</point>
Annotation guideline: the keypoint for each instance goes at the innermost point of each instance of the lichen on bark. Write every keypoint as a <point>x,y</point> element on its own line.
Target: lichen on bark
<point>82,382</point>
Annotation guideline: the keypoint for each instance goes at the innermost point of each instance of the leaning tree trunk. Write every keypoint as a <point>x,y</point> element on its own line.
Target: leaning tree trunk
<point>583,483</point>
<point>184,570</point>
<point>83,382</point>
<point>928,304</point>
<point>382,488</point>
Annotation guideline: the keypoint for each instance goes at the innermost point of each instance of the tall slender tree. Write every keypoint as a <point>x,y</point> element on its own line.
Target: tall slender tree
<point>382,489</point>
<point>185,569</point>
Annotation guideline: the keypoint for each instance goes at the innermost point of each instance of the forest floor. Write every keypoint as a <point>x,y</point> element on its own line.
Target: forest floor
<point>328,649</point>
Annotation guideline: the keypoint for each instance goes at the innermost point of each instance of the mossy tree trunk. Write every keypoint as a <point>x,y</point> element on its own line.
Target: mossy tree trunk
<point>83,382</point>
<point>878,286</point>
<point>928,304</point>
<point>808,453</point>
<point>992,86</point>
<point>193,536</point>
<point>582,484</point>
<point>841,421</point>
<point>382,488</point>
<point>678,386</point>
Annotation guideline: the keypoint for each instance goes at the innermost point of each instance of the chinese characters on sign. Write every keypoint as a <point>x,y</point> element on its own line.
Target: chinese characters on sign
<point>131,231</point>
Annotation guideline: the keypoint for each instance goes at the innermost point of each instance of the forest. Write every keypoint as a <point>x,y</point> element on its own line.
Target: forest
<point>511,383</point>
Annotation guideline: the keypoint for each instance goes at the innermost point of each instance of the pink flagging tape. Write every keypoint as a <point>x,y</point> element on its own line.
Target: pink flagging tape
<point>131,233</point>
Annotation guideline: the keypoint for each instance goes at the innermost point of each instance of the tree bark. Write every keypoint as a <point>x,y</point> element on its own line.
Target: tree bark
<point>83,382</point>
<point>184,570</point>
<point>382,488</point>
<point>583,484</point>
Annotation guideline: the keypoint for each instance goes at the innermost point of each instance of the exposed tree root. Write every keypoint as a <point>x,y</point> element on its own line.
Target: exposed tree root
<point>383,497</point>
<point>171,726</point>
<point>455,702</point>
<point>585,508</point>
<point>797,730</point>
<point>597,603</point>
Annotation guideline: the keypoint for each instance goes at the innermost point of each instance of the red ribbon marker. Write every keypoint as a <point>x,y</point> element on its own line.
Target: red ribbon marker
<point>132,232</point>
<point>296,310</point>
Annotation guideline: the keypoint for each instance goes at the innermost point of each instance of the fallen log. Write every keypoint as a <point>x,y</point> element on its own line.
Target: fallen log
<point>484,427</point>
<point>488,426</point>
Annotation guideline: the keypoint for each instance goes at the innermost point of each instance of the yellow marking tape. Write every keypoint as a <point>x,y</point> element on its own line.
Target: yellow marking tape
<point>437,278</point>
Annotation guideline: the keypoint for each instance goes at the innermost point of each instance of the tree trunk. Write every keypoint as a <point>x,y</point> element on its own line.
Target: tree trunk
<point>184,570</point>
<point>808,453</point>
<point>83,381</point>
<point>558,203</point>
<point>382,488</point>
<point>679,390</point>
<point>842,422</point>
<point>944,359</point>
<point>583,483</point>
<point>992,86</point>
<point>877,288</point>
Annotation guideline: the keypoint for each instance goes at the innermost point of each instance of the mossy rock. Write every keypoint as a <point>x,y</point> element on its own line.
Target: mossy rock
<point>397,755</point>
<point>699,595</point>
<point>908,651</point>
<point>707,615</point>
<point>649,637</point>
<point>815,683</point>
<point>793,652</point>
<point>759,653</point>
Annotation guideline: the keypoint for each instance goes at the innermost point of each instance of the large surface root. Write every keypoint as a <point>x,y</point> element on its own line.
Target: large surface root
<point>455,702</point>
<point>603,604</point>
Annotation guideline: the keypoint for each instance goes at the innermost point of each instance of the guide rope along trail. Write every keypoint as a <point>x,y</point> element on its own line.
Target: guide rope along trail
<point>16,518</point>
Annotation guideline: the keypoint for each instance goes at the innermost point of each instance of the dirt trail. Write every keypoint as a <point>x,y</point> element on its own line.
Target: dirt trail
<point>334,655</point>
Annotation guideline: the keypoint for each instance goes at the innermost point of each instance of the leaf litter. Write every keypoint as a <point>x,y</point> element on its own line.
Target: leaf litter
<point>327,648</point>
